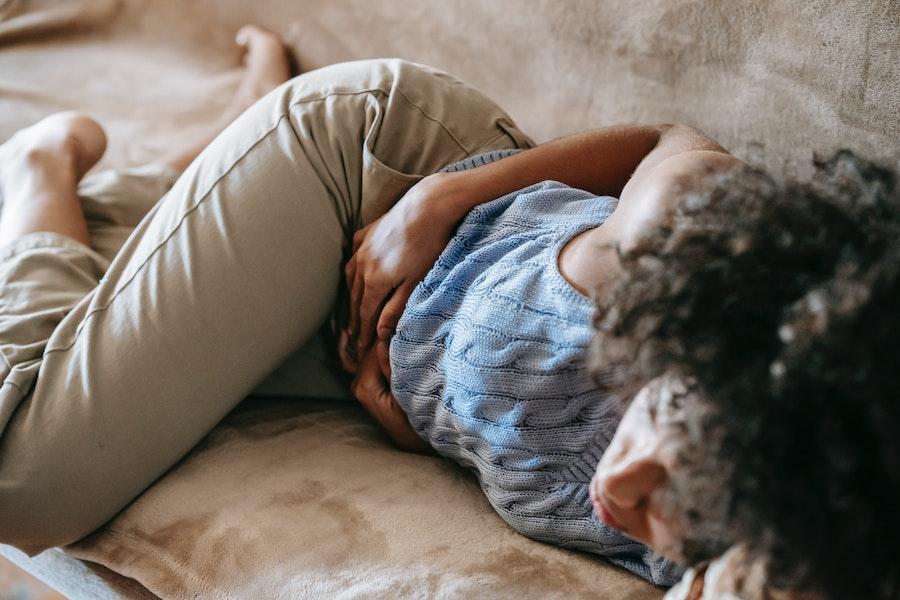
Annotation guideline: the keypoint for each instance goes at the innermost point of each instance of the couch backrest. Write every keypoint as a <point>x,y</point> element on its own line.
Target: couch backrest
<point>791,76</point>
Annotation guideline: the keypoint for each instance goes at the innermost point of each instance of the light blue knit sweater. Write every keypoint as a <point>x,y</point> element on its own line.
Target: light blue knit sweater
<point>489,363</point>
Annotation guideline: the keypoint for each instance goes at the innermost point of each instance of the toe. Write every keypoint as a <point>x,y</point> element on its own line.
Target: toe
<point>248,34</point>
<point>243,35</point>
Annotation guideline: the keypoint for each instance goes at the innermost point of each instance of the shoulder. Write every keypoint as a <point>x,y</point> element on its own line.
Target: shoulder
<point>682,155</point>
<point>685,167</point>
<point>679,172</point>
<point>651,196</point>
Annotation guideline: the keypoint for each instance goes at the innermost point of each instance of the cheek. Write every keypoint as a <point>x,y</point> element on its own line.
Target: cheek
<point>663,535</point>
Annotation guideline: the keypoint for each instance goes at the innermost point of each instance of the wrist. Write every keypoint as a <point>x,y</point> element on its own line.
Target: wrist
<point>453,195</point>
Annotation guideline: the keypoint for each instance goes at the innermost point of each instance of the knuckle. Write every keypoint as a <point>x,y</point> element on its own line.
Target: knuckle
<point>371,274</point>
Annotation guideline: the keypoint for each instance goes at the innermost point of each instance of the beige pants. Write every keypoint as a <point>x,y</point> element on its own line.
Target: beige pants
<point>118,359</point>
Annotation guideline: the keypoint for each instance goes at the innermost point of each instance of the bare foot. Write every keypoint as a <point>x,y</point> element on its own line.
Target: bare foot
<point>67,141</point>
<point>268,65</point>
<point>40,167</point>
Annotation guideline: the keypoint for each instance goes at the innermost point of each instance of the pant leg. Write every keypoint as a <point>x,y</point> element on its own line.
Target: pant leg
<point>44,275</point>
<point>229,273</point>
<point>115,201</point>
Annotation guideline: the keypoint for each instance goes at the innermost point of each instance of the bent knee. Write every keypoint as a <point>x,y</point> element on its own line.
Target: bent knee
<point>35,520</point>
<point>51,494</point>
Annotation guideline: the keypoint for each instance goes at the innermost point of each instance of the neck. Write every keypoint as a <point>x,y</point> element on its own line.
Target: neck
<point>589,260</point>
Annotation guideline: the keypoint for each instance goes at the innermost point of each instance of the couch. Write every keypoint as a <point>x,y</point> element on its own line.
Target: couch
<point>292,496</point>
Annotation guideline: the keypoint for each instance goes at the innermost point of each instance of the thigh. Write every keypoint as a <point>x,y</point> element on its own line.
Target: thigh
<point>453,120</point>
<point>417,120</point>
<point>44,275</point>
<point>229,273</point>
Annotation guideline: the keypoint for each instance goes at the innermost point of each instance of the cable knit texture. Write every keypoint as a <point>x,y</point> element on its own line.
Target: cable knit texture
<point>489,363</point>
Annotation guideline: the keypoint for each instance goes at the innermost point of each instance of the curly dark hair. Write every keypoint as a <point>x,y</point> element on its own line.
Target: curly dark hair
<point>782,298</point>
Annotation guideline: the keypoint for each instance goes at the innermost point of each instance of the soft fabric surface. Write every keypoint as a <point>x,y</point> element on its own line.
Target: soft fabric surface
<point>303,498</point>
<point>292,499</point>
<point>78,579</point>
<point>18,585</point>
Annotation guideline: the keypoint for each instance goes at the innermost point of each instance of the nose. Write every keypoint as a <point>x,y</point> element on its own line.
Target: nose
<point>630,482</point>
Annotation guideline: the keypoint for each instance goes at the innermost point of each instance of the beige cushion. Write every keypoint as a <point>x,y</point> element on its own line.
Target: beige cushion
<point>305,498</point>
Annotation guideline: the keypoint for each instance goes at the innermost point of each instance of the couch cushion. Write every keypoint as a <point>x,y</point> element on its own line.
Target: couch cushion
<point>307,498</point>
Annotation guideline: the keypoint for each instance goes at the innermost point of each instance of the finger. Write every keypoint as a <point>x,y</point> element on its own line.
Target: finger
<point>393,309</point>
<point>350,271</point>
<point>359,237</point>
<point>347,352</point>
<point>384,359</point>
<point>349,277</point>
<point>361,384</point>
<point>389,410</point>
<point>356,293</point>
<point>373,298</point>
<point>369,381</point>
<point>396,423</point>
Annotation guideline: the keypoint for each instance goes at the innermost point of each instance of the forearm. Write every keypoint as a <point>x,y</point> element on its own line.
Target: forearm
<point>600,161</point>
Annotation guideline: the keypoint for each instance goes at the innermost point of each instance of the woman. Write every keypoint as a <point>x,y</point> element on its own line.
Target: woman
<point>760,325</point>
<point>120,354</point>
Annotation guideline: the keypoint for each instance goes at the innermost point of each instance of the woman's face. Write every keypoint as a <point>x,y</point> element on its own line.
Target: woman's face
<point>629,485</point>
